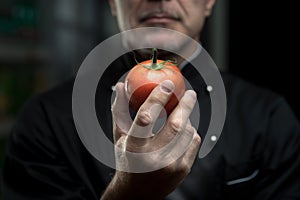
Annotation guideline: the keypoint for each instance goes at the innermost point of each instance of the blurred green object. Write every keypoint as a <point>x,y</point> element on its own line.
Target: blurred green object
<point>18,18</point>
<point>15,87</point>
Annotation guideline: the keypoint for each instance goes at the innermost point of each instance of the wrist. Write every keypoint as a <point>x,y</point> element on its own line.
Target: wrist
<point>120,188</point>
<point>117,190</point>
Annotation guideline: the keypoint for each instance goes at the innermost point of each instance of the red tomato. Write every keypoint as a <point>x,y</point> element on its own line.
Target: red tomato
<point>145,76</point>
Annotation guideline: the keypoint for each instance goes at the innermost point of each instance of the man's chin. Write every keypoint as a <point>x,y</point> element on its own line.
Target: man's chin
<point>156,37</point>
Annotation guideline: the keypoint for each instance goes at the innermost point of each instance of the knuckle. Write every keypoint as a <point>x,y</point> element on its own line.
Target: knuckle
<point>181,169</point>
<point>185,168</point>
<point>158,98</point>
<point>189,130</point>
<point>119,144</point>
<point>170,169</point>
<point>143,118</point>
<point>197,139</point>
<point>175,126</point>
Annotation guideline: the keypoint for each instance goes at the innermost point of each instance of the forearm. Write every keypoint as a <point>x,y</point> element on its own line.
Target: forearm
<point>152,172</point>
<point>112,192</point>
<point>118,190</point>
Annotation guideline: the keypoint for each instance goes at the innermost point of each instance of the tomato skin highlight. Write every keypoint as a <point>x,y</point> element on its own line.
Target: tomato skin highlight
<point>142,79</point>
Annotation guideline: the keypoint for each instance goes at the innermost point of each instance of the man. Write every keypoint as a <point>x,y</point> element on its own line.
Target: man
<point>256,156</point>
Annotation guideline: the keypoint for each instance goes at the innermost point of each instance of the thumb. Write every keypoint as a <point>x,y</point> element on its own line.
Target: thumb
<point>120,112</point>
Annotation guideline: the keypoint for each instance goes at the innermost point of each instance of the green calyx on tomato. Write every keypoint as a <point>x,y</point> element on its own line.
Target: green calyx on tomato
<point>145,76</point>
<point>155,65</point>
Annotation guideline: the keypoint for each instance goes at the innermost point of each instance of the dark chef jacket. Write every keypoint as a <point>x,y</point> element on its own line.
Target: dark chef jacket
<point>256,157</point>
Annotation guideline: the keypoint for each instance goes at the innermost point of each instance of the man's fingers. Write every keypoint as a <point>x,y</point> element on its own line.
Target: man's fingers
<point>177,121</point>
<point>175,150</point>
<point>120,112</point>
<point>151,109</point>
<point>191,153</point>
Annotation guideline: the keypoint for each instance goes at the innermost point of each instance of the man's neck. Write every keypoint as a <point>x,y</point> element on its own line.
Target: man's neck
<point>186,54</point>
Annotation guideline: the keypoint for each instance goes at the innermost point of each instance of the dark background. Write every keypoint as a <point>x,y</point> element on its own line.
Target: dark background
<point>42,43</point>
<point>264,46</point>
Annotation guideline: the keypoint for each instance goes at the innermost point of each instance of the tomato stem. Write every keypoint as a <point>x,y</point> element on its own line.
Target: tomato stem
<point>154,58</point>
<point>155,65</point>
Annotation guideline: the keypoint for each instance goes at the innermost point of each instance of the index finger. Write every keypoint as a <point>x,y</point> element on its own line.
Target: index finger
<point>151,109</point>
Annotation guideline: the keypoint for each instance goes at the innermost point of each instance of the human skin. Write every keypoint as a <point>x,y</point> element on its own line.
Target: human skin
<point>185,16</point>
<point>158,183</point>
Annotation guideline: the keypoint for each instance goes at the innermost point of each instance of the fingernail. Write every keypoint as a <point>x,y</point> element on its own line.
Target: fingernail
<point>192,94</point>
<point>167,86</point>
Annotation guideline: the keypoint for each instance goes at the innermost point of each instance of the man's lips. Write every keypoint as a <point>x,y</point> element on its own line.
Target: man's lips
<point>159,18</point>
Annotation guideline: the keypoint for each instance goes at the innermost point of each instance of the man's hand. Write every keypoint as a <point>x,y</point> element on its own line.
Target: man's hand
<point>150,166</point>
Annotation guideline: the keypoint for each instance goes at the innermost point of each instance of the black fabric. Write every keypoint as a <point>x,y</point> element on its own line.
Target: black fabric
<point>259,146</point>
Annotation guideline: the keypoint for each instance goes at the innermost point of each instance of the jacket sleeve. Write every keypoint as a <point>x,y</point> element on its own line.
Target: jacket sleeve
<point>280,166</point>
<point>35,167</point>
